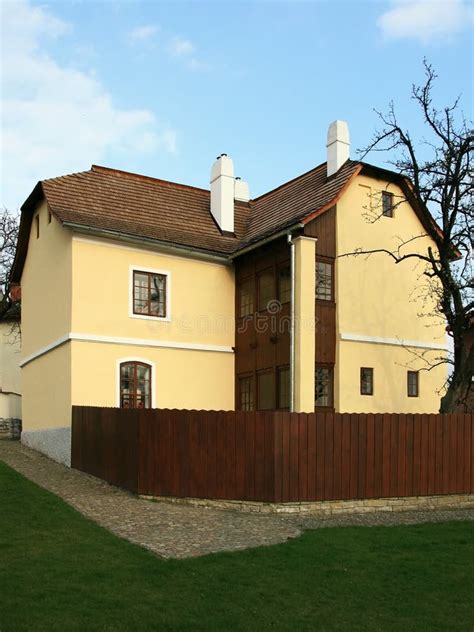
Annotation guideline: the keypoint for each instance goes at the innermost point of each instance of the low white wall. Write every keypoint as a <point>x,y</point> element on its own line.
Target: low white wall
<point>10,406</point>
<point>54,442</point>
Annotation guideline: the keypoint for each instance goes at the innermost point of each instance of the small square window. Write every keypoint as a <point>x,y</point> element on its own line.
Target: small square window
<point>412,384</point>
<point>366,381</point>
<point>387,204</point>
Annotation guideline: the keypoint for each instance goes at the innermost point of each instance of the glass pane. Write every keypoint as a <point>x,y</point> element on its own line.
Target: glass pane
<point>246,298</point>
<point>140,307</point>
<point>323,381</point>
<point>141,280</point>
<point>266,391</point>
<point>158,295</point>
<point>366,381</point>
<point>284,284</point>
<point>143,372</point>
<point>323,281</point>
<point>157,308</point>
<point>266,290</point>
<point>149,294</point>
<point>135,387</point>
<point>387,204</point>
<point>126,370</point>
<point>246,393</point>
<point>125,401</point>
<point>413,383</point>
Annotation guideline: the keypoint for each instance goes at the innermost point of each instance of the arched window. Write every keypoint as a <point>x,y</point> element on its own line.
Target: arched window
<point>135,385</point>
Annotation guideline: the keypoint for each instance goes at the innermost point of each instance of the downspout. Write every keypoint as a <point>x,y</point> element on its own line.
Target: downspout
<point>292,324</point>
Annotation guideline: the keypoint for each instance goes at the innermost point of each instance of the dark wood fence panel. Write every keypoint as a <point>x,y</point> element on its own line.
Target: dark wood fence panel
<point>105,444</point>
<point>275,456</point>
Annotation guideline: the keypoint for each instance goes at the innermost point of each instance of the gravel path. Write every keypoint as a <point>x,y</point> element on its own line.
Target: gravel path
<point>179,531</point>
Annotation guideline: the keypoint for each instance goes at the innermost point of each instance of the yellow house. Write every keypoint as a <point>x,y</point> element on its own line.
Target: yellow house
<point>138,292</point>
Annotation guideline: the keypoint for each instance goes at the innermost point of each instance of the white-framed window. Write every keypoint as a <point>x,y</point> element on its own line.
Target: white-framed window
<point>149,293</point>
<point>135,383</point>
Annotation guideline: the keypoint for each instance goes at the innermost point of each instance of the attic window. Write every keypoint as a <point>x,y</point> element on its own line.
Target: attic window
<point>37,226</point>
<point>49,217</point>
<point>387,204</point>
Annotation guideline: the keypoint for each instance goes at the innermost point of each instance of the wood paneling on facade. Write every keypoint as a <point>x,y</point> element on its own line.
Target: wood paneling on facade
<point>324,228</point>
<point>262,339</point>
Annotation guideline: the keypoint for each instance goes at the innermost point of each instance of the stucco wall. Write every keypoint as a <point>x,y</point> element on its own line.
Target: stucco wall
<point>201,295</point>
<point>390,379</point>
<point>180,378</point>
<point>378,298</point>
<point>201,313</point>
<point>46,386</point>
<point>46,284</point>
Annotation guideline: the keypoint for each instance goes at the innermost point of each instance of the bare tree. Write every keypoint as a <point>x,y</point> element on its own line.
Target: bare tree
<point>438,176</point>
<point>8,241</point>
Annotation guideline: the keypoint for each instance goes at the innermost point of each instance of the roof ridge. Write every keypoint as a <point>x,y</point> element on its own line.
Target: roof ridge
<point>66,175</point>
<point>281,186</point>
<point>139,176</point>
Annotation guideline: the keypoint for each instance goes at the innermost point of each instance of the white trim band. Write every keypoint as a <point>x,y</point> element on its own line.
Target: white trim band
<point>136,342</point>
<point>44,350</point>
<point>393,341</point>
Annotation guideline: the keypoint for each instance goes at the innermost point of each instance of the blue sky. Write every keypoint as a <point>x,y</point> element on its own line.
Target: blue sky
<point>163,88</point>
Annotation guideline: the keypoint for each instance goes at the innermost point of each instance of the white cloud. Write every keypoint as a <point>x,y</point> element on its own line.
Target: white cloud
<point>143,33</point>
<point>179,46</point>
<point>57,119</point>
<point>425,20</point>
<point>185,49</point>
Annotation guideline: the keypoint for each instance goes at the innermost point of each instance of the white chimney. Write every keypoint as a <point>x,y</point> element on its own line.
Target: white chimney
<point>338,146</point>
<point>241,190</point>
<point>224,190</point>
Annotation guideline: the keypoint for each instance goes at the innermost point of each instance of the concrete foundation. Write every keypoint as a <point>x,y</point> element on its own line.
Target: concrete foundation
<point>54,442</point>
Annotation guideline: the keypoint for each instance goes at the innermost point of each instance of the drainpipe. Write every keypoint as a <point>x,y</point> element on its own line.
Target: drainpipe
<point>292,324</point>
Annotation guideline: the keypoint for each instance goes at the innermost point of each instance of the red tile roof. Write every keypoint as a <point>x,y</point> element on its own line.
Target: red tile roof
<point>137,205</point>
<point>144,207</point>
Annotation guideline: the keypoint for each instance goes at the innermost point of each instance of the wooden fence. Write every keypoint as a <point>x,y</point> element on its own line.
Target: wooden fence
<point>275,456</point>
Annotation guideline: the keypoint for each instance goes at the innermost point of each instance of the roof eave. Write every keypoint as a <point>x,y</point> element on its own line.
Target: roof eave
<point>155,244</point>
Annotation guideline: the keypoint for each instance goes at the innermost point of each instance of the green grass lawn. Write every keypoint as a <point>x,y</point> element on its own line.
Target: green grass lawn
<point>58,571</point>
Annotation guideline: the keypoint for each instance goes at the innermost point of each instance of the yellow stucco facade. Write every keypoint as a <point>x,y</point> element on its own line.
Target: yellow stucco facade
<point>384,310</point>
<point>79,326</point>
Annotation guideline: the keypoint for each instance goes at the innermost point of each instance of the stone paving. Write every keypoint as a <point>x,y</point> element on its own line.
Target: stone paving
<point>166,529</point>
<point>179,531</point>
